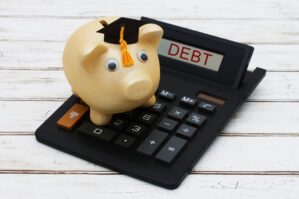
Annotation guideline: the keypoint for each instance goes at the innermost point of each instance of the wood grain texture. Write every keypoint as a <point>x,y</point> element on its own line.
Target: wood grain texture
<point>190,9</point>
<point>39,55</point>
<point>254,155</point>
<point>23,117</point>
<point>52,85</point>
<point>245,31</point>
<point>118,186</point>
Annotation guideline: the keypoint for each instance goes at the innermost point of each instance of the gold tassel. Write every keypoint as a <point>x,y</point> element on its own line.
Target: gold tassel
<point>125,55</point>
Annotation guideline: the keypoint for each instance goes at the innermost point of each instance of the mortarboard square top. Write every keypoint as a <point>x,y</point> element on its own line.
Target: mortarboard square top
<point>111,31</point>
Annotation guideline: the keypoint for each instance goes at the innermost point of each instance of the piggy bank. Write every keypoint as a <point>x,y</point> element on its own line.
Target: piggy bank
<point>94,67</point>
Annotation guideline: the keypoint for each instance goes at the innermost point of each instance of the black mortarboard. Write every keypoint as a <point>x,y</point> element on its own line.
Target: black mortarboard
<point>111,31</point>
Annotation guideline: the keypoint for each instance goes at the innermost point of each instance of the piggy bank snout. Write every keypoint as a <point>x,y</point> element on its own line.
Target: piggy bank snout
<point>137,86</point>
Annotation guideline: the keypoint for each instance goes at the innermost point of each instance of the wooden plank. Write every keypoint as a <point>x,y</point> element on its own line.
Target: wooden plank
<point>246,31</point>
<point>19,117</point>
<point>227,154</point>
<point>116,186</point>
<point>213,9</point>
<point>36,55</point>
<point>52,85</point>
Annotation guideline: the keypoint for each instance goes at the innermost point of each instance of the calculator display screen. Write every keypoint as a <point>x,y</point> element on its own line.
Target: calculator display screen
<point>190,54</point>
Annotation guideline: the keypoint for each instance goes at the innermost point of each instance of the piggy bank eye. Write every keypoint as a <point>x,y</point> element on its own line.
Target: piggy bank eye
<point>112,64</point>
<point>142,56</point>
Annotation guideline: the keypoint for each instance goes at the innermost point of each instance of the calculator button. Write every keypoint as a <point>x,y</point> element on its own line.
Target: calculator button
<point>167,124</point>
<point>72,116</point>
<point>125,141</point>
<point>186,131</point>
<point>171,149</point>
<point>147,118</point>
<point>102,133</point>
<point>188,101</point>
<point>152,142</point>
<point>167,94</point>
<point>206,107</point>
<point>196,119</point>
<point>177,113</point>
<point>158,107</point>
<point>118,123</point>
<point>135,129</point>
<point>129,114</point>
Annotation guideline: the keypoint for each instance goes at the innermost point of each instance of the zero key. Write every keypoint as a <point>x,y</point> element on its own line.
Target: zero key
<point>72,116</point>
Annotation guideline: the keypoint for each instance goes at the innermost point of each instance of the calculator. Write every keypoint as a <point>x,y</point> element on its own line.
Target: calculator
<point>204,80</point>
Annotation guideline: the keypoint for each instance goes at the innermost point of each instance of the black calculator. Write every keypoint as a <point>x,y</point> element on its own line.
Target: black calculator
<point>204,80</point>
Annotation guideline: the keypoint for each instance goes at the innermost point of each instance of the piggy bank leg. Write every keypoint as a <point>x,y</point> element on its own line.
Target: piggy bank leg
<point>151,101</point>
<point>74,93</point>
<point>99,118</point>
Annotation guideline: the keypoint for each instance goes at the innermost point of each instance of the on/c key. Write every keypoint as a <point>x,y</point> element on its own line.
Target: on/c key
<point>72,116</point>
<point>171,149</point>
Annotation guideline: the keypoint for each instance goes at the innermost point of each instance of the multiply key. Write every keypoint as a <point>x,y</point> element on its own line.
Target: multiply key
<point>177,113</point>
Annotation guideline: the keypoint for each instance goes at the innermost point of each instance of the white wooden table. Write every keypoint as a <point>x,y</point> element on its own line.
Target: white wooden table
<point>256,156</point>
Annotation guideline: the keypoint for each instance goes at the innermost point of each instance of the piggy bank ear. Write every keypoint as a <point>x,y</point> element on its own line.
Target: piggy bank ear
<point>91,55</point>
<point>150,33</point>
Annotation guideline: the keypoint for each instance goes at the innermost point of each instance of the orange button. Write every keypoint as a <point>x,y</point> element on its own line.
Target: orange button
<point>72,116</point>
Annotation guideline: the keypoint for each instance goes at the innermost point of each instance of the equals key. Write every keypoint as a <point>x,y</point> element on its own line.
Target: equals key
<point>72,116</point>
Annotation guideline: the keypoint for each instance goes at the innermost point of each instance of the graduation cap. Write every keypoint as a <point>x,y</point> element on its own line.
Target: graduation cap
<point>122,31</point>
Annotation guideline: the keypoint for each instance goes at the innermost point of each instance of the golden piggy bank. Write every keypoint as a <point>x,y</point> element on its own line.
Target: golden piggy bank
<point>112,65</point>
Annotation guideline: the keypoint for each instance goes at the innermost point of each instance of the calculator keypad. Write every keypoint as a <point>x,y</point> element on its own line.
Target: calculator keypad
<point>160,131</point>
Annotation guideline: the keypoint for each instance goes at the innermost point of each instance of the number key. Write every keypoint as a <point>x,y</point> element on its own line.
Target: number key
<point>135,129</point>
<point>158,107</point>
<point>118,123</point>
<point>147,118</point>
